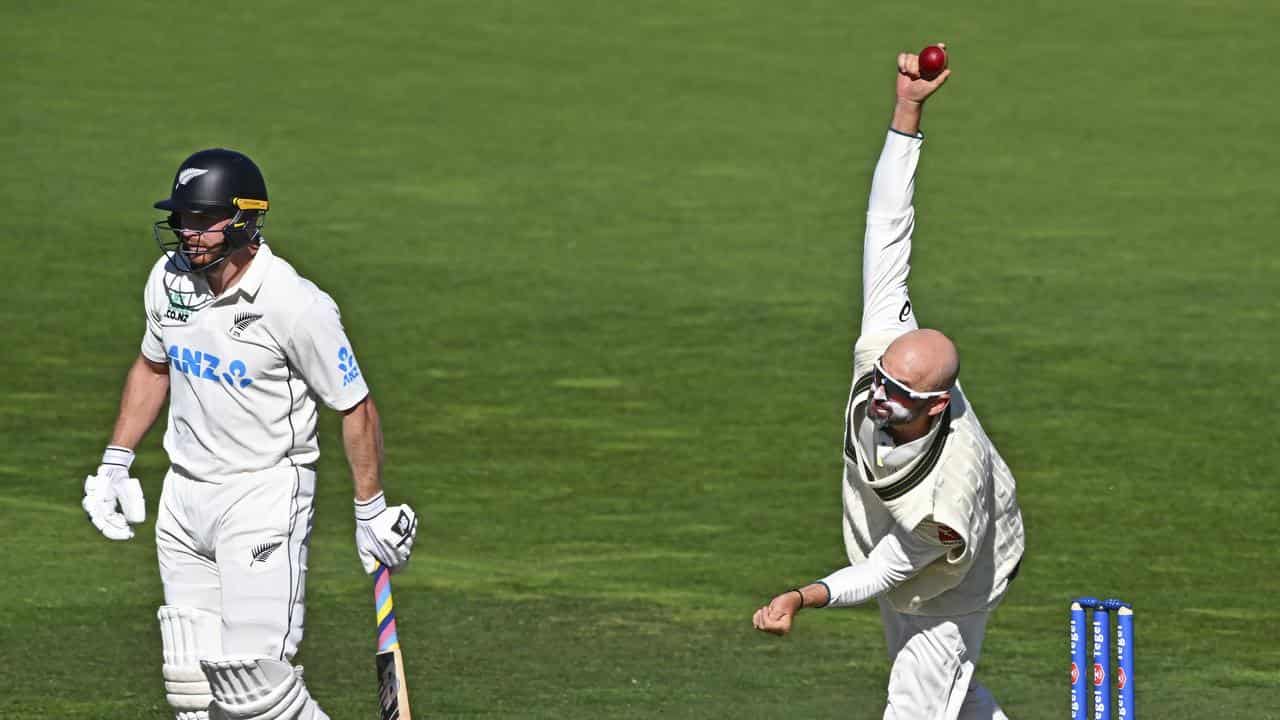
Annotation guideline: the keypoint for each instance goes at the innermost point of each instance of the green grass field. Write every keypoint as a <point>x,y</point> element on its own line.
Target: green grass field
<point>600,261</point>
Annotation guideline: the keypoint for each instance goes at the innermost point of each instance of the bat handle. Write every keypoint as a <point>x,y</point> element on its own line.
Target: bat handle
<point>384,608</point>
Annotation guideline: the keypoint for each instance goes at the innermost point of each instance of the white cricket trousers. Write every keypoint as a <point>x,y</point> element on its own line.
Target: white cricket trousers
<point>933,662</point>
<point>238,549</point>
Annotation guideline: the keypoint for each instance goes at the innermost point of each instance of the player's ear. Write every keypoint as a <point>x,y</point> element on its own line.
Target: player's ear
<point>939,404</point>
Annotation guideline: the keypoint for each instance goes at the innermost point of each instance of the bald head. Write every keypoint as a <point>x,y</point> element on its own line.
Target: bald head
<point>926,360</point>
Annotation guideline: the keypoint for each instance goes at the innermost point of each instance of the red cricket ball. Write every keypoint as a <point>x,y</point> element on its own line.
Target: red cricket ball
<point>933,60</point>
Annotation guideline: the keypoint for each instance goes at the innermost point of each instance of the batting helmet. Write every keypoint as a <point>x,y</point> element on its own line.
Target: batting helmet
<point>217,182</point>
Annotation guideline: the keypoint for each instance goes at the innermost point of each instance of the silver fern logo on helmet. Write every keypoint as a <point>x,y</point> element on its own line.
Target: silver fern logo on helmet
<point>188,175</point>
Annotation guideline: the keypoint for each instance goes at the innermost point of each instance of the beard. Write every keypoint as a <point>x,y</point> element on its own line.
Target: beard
<point>200,258</point>
<point>898,414</point>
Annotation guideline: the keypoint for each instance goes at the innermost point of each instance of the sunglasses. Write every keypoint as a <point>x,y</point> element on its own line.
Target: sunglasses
<point>893,386</point>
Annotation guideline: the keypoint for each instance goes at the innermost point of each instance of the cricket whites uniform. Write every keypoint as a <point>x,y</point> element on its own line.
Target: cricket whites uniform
<point>244,371</point>
<point>245,374</point>
<point>939,513</point>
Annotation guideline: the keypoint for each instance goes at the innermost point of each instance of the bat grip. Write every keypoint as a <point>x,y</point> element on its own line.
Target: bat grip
<point>384,609</point>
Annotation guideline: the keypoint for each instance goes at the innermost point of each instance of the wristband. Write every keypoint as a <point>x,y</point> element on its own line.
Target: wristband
<point>116,455</point>
<point>797,591</point>
<point>367,510</point>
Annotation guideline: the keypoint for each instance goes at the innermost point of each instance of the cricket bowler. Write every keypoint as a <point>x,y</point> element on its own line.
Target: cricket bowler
<point>245,348</point>
<point>932,527</point>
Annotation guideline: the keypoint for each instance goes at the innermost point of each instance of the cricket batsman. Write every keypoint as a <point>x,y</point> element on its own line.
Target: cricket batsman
<point>932,527</point>
<point>244,348</point>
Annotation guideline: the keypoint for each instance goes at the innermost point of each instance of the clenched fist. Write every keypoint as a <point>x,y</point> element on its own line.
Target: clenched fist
<point>384,535</point>
<point>776,617</point>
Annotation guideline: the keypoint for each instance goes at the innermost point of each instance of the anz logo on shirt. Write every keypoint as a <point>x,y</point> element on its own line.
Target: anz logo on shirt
<point>347,366</point>
<point>209,367</point>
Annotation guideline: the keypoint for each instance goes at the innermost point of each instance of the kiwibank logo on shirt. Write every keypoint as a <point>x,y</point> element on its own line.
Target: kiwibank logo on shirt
<point>208,366</point>
<point>347,366</point>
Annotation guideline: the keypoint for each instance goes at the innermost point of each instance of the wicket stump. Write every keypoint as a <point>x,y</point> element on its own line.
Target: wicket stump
<point>1099,638</point>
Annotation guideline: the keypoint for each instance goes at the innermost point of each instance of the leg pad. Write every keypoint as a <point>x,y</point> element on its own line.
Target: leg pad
<point>259,689</point>
<point>188,635</point>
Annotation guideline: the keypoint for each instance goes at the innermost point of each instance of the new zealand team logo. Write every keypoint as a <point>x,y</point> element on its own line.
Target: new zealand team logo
<point>242,321</point>
<point>347,366</point>
<point>261,553</point>
<point>187,175</point>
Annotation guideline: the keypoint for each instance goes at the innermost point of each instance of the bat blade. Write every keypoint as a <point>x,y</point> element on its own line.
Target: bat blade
<point>393,693</point>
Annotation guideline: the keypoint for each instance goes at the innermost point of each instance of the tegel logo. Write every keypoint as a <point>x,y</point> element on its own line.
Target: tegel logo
<point>206,366</point>
<point>347,366</point>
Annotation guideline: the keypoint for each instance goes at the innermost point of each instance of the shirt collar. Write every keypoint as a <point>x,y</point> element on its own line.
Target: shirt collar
<point>249,283</point>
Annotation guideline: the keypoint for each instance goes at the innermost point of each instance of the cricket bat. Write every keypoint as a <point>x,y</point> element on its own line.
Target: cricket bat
<point>393,694</point>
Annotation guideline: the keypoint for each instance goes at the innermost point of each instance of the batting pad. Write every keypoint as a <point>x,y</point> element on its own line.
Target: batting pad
<point>188,635</point>
<point>258,689</point>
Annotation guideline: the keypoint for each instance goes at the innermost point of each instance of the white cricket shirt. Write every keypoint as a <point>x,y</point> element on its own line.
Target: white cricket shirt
<point>245,371</point>
<point>949,497</point>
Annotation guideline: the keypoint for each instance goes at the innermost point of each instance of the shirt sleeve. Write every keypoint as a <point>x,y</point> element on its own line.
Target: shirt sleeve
<point>320,350</point>
<point>886,249</point>
<point>895,559</point>
<point>152,339</point>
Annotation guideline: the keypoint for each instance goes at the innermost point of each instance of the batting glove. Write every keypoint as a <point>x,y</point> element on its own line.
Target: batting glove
<point>111,486</point>
<point>384,535</point>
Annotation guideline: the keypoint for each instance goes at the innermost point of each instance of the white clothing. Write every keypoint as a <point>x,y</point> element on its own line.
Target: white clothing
<point>238,550</point>
<point>933,664</point>
<point>246,369</point>
<point>959,487</point>
<point>931,527</point>
<point>893,561</point>
<point>886,250</point>
<point>953,482</point>
<point>887,457</point>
